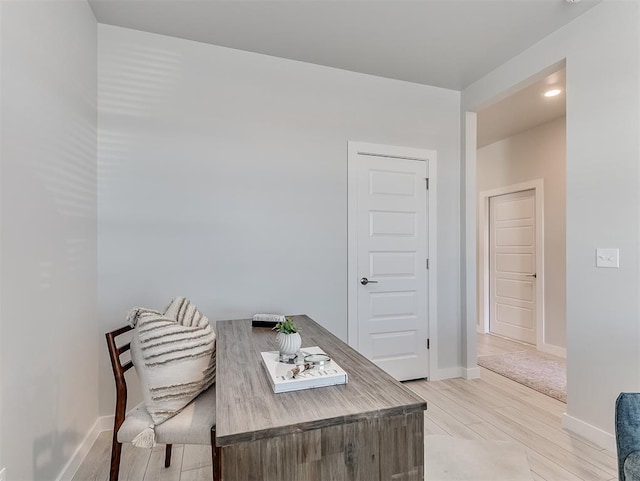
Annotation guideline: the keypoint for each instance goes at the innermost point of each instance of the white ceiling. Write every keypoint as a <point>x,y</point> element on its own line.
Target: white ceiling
<point>444,43</point>
<point>523,110</point>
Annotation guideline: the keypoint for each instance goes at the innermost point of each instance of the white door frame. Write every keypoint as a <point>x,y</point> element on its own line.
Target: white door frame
<point>483,250</point>
<point>396,152</point>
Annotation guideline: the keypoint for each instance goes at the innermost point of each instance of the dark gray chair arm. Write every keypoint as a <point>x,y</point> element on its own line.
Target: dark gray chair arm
<point>627,428</point>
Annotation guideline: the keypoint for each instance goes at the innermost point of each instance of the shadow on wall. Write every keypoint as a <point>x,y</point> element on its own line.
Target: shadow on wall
<point>49,453</point>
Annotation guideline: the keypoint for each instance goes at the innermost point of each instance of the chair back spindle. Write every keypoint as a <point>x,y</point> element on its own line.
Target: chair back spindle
<point>118,372</point>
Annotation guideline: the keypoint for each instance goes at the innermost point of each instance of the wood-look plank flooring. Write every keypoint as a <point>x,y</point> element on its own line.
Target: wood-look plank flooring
<point>491,407</point>
<point>489,344</point>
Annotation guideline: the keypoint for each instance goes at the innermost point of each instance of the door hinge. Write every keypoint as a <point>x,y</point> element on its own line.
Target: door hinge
<point>427,181</point>
<point>427,263</point>
<point>428,344</point>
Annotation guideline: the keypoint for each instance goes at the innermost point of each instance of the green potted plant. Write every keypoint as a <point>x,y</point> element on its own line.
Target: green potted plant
<point>288,337</point>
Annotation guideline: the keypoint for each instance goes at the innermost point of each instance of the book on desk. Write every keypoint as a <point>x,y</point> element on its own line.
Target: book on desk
<point>330,374</point>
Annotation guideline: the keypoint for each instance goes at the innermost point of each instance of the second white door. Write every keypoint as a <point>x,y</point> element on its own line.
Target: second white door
<point>391,264</point>
<point>512,266</point>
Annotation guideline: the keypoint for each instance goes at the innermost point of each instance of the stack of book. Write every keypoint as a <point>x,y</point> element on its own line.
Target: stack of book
<point>281,378</point>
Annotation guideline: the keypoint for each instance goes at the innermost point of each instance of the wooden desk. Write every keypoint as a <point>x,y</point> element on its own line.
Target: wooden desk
<point>370,429</point>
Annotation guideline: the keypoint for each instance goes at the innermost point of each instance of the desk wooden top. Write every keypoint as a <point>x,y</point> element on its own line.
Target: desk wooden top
<point>247,408</point>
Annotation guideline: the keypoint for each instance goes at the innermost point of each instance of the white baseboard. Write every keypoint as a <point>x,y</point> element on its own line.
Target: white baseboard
<point>81,452</point>
<point>448,373</point>
<point>453,372</point>
<point>591,433</point>
<point>104,423</point>
<point>553,350</point>
<point>471,372</point>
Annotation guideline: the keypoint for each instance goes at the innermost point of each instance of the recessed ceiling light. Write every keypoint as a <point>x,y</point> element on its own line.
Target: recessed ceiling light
<point>552,92</point>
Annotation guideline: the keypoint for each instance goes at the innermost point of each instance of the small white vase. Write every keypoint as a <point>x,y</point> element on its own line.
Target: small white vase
<point>289,343</point>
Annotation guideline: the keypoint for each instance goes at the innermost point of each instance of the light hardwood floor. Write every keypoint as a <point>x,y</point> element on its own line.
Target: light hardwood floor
<point>489,344</point>
<point>492,407</point>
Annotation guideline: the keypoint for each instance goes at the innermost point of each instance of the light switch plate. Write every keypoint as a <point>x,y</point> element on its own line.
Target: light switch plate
<point>607,257</point>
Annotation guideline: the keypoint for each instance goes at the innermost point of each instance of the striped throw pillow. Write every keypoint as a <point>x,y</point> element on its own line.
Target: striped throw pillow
<point>174,355</point>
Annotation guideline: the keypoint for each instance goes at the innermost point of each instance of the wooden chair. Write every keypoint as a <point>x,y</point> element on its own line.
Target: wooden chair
<point>195,424</point>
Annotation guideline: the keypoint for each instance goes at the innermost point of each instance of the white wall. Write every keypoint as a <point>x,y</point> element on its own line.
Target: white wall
<point>602,55</point>
<point>2,459</point>
<point>223,177</point>
<point>538,153</point>
<point>48,351</point>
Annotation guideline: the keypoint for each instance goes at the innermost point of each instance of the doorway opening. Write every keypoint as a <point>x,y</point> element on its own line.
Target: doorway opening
<point>521,185</point>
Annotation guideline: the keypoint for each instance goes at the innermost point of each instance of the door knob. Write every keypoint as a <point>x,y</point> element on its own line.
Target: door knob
<point>364,281</point>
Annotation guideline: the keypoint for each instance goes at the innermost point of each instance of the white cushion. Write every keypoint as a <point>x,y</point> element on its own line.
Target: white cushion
<point>174,356</point>
<point>191,426</point>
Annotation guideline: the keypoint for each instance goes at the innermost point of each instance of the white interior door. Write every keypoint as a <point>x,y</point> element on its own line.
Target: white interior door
<point>512,266</point>
<point>392,275</point>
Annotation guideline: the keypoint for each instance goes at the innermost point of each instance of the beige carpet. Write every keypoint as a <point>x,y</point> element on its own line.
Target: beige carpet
<point>543,372</point>
<point>451,459</point>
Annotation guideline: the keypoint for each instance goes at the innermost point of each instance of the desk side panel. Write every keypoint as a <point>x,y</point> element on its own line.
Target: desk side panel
<point>381,449</point>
